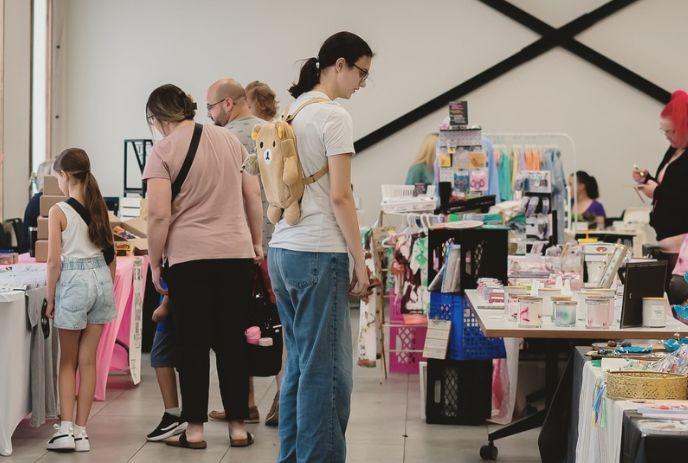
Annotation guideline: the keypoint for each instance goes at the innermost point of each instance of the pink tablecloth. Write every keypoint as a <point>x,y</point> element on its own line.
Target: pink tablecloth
<point>113,350</point>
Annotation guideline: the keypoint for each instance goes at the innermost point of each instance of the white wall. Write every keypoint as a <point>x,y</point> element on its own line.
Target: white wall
<point>17,109</point>
<point>117,52</point>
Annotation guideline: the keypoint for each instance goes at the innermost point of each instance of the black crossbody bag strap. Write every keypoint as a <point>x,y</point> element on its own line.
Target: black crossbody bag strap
<point>188,161</point>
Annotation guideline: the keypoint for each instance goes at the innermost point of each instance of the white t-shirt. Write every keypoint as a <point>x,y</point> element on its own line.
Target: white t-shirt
<point>322,130</point>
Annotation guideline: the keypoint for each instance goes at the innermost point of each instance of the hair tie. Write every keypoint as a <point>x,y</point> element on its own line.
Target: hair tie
<point>317,63</point>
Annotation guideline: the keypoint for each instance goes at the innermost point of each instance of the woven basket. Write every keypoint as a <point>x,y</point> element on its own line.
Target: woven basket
<point>646,385</point>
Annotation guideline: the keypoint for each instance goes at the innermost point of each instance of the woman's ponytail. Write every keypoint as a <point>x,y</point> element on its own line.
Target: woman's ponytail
<point>343,44</point>
<point>308,78</point>
<point>75,162</point>
<point>99,229</point>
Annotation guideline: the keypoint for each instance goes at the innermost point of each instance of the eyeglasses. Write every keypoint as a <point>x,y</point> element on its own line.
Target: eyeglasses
<point>362,72</point>
<point>210,106</point>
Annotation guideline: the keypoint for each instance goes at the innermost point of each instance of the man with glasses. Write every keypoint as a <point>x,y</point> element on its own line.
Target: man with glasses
<point>227,106</point>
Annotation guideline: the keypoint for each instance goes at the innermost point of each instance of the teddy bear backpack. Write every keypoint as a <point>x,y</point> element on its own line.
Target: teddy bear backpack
<point>277,161</point>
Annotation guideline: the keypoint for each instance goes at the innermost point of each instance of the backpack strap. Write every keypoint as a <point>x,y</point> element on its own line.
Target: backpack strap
<point>188,161</point>
<point>290,117</point>
<point>316,176</point>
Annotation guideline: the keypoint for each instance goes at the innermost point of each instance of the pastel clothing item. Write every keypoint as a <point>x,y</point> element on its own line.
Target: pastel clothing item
<point>504,175</point>
<point>84,294</point>
<point>322,130</point>
<point>492,170</point>
<point>682,263</point>
<point>208,216</point>
<point>76,243</point>
<point>420,173</point>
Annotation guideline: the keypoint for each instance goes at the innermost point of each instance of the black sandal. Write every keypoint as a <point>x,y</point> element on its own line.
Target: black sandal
<point>184,443</point>
<point>242,442</point>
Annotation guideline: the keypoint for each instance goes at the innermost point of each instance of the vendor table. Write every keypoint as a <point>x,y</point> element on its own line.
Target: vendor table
<point>551,341</point>
<point>119,347</point>
<point>642,442</point>
<point>624,435</point>
<point>15,352</point>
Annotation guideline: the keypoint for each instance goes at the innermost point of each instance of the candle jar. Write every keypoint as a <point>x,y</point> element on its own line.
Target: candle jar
<point>565,312</point>
<point>654,312</point>
<point>529,312</point>
<point>511,307</point>
<point>600,312</point>
<point>547,295</point>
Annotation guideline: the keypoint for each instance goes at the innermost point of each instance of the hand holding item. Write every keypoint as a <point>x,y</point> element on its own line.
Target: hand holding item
<point>50,309</point>
<point>360,283</point>
<point>639,175</point>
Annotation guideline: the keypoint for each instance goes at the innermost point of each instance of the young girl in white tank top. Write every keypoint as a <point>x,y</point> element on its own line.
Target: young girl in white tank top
<point>80,298</point>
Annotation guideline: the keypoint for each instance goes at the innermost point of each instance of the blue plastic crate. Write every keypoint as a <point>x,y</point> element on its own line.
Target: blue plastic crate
<point>466,341</point>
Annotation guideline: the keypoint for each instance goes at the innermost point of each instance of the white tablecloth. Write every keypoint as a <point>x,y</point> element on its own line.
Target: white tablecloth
<point>598,443</point>
<point>15,354</point>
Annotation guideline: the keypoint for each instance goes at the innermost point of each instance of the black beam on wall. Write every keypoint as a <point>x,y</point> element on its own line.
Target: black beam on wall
<point>551,38</point>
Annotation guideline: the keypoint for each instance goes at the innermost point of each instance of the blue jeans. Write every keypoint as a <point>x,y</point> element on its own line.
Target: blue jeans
<point>312,298</point>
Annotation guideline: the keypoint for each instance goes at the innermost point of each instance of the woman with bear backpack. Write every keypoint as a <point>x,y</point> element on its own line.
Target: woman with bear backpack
<point>309,261</point>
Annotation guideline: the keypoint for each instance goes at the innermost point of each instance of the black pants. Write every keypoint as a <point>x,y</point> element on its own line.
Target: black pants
<point>209,301</point>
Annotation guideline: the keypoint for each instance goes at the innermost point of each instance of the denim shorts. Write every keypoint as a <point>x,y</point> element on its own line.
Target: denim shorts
<point>164,350</point>
<point>84,294</point>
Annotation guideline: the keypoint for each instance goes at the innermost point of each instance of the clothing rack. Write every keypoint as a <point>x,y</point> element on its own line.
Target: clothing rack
<point>562,141</point>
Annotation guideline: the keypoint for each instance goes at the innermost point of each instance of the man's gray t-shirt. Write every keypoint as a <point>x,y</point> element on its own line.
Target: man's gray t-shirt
<point>242,128</point>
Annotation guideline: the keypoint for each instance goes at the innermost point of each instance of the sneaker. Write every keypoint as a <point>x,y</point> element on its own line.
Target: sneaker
<point>273,415</point>
<point>169,426</point>
<point>61,441</point>
<point>82,444</point>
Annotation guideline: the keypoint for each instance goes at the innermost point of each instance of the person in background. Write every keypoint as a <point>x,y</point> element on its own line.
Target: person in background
<point>668,188</point>
<point>262,100</point>
<point>80,296</point>
<point>33,208</point>
<point>227,106</point>
<point>210,235</point>
<point>423,168</point>
<point>587,208</point>
<point>309,261</point>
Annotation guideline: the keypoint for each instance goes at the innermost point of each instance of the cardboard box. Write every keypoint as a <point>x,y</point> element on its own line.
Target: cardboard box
<point>48,201</point>
<point>42,251</point>
<point>138,245</point>
<point>42,228</point>
<point>137,226</point>
<point>51,187</point>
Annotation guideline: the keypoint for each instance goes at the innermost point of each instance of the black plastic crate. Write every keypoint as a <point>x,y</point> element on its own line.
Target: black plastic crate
<point>458,392</point>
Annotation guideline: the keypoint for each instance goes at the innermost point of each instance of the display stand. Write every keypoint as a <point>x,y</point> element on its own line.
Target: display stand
<point>566,146</point>
<point>140,149</point>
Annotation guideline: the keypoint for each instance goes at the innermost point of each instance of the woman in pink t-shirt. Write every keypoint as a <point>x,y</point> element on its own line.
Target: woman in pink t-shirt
<point>210,233</point>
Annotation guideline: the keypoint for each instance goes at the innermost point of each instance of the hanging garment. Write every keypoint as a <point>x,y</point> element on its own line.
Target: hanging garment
<point>505,171</point>
<point>367,335</point>
<point>492,170</point>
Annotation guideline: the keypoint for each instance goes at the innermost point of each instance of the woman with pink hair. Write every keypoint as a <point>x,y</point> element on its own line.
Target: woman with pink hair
<point>668,189</point>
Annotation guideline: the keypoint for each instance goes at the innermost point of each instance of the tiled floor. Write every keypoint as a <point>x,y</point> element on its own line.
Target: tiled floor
<point>385,427</point>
